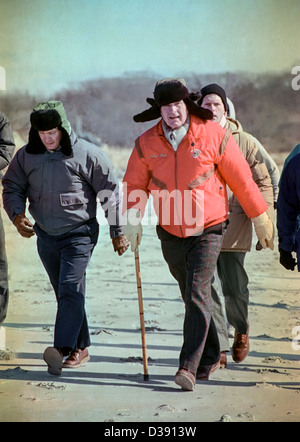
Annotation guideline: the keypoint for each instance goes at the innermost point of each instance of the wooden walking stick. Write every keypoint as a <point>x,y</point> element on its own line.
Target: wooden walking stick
<point>141,309</point>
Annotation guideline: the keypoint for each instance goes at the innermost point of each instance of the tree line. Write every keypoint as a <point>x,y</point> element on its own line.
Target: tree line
<point>266,105</point>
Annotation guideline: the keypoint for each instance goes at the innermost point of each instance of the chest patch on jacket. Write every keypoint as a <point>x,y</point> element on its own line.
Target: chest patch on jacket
<point>196,153</point>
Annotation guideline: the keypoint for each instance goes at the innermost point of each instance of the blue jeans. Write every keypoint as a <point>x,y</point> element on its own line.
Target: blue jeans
<point>192,262</point>
<point>65,258</point>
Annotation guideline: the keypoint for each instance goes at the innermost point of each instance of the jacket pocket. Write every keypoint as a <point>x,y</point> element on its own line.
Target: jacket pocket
<point>73,199</point>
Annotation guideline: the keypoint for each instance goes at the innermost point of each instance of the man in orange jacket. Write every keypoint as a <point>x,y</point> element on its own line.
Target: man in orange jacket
<point>185,162</point>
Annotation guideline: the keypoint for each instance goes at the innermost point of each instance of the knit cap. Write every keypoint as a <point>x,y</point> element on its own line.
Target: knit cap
<point>213,89</point>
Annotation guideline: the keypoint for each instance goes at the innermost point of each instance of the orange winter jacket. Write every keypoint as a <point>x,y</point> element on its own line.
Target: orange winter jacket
<point>189,186</point>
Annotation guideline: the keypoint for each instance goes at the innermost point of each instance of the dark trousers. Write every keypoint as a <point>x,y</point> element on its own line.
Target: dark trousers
<point>234,283</point>
<point>4,293</point>
<point>65,258</point>
<point>192,262</point>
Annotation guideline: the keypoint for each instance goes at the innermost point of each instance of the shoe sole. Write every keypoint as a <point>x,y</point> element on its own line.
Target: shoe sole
<point>54,360</point>
<point>184,382</point>
<point>238,359</point>
<point>236,354</point>
<point>86,359</point>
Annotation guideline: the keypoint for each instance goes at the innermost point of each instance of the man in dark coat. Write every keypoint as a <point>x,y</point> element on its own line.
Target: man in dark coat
<point>288,211</point>
<point>7,147</point>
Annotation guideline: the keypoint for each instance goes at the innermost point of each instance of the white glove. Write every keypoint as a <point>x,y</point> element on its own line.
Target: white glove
<point>264,230</point>
<point>132,227</point>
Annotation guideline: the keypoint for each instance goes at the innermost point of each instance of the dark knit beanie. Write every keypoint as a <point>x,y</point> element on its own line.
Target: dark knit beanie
<point>171,90</point>
<point>214,89</point>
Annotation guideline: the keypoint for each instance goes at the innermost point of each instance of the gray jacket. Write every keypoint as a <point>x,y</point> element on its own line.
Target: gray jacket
<point>62,190</point>
<point>7,143</point>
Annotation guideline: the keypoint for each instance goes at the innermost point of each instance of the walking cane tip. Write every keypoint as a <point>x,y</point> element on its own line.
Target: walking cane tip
<point>146,377</point>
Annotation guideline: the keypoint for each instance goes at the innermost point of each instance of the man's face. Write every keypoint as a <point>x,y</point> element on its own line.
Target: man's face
<point>215,104</point>
<point>174,114</point>
<point>51,138</point>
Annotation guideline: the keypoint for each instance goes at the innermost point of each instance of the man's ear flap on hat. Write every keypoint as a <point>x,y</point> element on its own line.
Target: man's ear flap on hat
<point>65,142</point>
<point>150,101</point>
<point>150,114</point>
<point>34,145</point>
<point>195,96</point>
<point>195,109</point>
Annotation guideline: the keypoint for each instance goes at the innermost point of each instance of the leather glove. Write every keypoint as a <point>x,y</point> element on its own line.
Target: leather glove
<point>258,247</point>
<point>287,260</point>
<point>264,230</point>
<point>132,227</point>
<point>120,244</point>
<point>24,226</point>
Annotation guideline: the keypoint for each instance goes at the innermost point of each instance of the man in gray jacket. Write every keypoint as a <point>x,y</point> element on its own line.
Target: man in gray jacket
<point>61,176</point>
<point>7,147</point>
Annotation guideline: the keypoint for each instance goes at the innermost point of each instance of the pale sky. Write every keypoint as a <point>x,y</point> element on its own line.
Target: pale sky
<point>46,45</point>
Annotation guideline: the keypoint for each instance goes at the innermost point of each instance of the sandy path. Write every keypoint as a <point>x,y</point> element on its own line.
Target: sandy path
<point>110,388</point>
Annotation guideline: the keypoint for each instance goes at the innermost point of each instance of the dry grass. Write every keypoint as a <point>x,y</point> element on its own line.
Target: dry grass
<point>6,355</point>
<point>119,156</point>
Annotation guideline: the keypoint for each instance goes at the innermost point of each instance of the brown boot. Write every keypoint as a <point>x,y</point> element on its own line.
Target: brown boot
<point>241,347</point>
<point>76,358</point>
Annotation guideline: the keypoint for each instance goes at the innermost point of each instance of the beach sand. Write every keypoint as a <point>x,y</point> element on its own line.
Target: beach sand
<point>110,387</point>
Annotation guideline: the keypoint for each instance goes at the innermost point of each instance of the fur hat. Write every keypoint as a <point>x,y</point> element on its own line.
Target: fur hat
<point>171,90</point>
<point>47,116</point>
<point>213,89</point>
